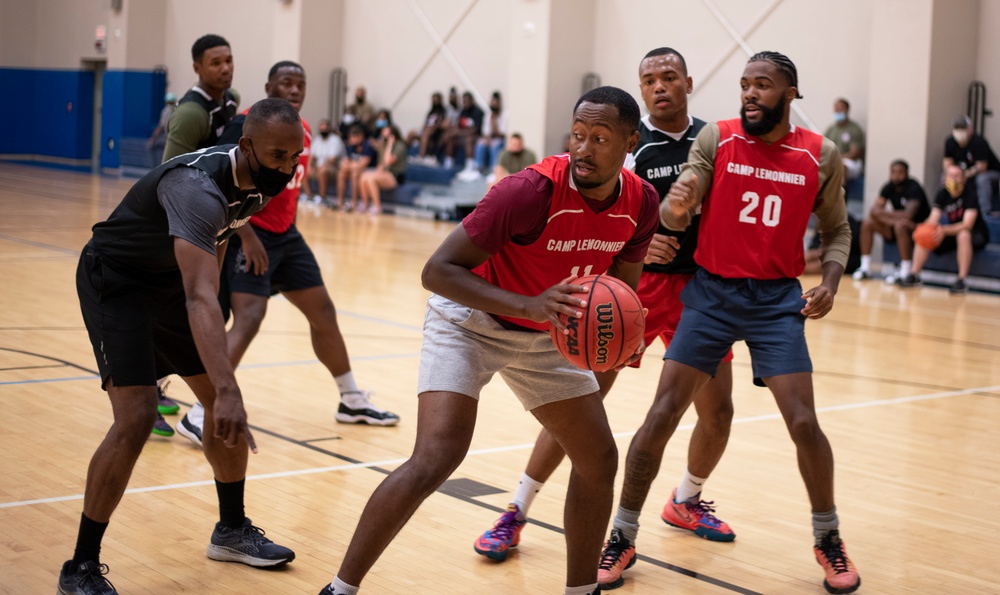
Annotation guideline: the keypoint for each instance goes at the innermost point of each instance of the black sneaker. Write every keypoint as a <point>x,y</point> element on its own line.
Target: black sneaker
<point>328,590</point>
<point>86,579</point>
<point>356,407</point>
<point>247,545</point>
<point>910,280</point>
<point>958,286</point>
<point>189,430</point>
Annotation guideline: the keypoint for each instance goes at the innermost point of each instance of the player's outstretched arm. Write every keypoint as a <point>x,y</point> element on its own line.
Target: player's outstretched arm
<point>200,274</point>
<point>448,273</point>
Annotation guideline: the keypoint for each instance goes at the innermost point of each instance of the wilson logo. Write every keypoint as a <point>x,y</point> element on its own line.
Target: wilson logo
<point>605,331</point>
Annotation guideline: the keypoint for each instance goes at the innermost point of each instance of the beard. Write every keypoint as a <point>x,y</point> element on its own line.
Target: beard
<point>770,118</point>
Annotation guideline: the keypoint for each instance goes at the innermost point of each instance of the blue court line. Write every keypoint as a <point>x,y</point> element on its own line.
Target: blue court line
<point>365,358</point>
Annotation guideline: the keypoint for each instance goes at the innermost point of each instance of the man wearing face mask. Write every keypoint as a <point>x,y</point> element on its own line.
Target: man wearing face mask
<point>324,157</point>
<point>270,255</point>
<point>960,228</point>
<point>359,112</point>
<point>148,283</point>
<point>976,158</point>
<point>849,138</point>
<point>899,207</point>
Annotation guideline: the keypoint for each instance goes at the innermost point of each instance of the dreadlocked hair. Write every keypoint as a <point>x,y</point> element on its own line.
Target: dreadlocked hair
<point>783,63</point>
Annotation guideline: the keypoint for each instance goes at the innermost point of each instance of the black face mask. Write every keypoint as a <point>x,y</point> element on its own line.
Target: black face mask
<point>268,180</point>
<point>324,133</point>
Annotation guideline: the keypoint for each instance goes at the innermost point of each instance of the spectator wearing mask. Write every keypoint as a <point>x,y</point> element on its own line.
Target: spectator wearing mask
<point>468,130</point>
<point>489,145</point>
<point>324,159</point>
<point>849,138</point>
<point>388,174</point>
<point>360,154</point>
<point>359,112</point>
<point>972,153</point>
<point>158,140</point>
<point>429,138</point>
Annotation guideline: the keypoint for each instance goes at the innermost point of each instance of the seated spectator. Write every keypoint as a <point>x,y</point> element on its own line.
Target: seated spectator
<point>901,204</point>
<point>468,129</point>
<point>324,158</point>
<point>158,140</point>
<point>512,160</point>
<point>489,145</point>
<point>360,154</point>
<point>973,154</point>
<point>359,112</point>
<point>814,255</point>
<point>429,138</point>
<point>390,172</point>
<point>960,228</point>
<point>383,119</point>
<point>849,138</point>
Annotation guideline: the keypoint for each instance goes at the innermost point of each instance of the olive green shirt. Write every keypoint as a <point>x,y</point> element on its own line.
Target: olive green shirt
<point>189,124</point>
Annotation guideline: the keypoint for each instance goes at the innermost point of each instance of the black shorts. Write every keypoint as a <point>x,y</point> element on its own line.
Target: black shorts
<point>291,265</point>
<point>138,327</point>
<point>950,243</point>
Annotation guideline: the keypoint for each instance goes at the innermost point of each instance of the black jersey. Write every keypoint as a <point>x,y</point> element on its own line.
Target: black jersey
<point>658,160</point>
<point>136,239</point>
<point>218,115</point>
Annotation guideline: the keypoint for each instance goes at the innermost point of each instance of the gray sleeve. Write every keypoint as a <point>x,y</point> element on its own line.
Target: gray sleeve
<point>196,209</point>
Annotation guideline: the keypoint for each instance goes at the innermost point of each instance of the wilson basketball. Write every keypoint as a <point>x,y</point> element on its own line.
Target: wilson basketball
<point>609,331</point>
<point>923,235</point>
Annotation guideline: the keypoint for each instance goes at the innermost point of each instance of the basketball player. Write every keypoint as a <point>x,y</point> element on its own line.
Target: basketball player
<point>197,123</point>
<point>498,283</point>
<point>757,179</point>
<point>665,136</point>
<point>270,255</point>
<point>148,282</point>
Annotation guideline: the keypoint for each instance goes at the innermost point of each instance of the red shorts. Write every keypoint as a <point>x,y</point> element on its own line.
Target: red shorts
<point>660,293</point>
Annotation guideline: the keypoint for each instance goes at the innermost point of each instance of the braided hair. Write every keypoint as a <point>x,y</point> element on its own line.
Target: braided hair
<point>783,63</point>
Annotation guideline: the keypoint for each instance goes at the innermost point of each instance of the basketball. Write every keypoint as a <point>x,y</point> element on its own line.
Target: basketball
<point>924,234</point>
<point>609,331</point>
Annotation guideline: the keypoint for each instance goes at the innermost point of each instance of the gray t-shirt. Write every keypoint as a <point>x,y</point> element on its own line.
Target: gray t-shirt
<point>196,209</point>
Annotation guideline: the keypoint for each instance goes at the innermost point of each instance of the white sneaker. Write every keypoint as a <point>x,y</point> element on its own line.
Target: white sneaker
<point>469,175</point>
<point>356,407</point>
<point>449,162</point>
<point>317,199</point>
<point>192,423</point>
<point>892,279</point>
<point>861,275</point>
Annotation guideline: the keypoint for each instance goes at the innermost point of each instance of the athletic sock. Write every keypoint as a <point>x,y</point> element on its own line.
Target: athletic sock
<point>823,523</point>
<point>342,588</point>
<point>866,263</point>
<point>689,487</point>
<point>904,268</point>
<point>346,384</point>
<point>525,494</point>
<point>583,590</point>
<point>231,512</point>
<point>88,541</point>
<point>627,521</point>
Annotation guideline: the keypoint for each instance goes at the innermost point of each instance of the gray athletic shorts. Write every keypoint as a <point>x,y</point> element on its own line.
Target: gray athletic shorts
<point>463,348</point>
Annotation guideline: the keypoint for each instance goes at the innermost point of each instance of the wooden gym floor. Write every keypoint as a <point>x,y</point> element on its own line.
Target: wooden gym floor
<point>907,384</point>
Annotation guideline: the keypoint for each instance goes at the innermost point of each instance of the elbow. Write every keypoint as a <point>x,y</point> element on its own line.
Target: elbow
<point>429,276</point>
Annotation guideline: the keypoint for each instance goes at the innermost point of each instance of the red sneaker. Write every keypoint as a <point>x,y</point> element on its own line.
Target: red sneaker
<point>696,517</point>
<point>618,555</point>
<point>841,576</point>
<point>495,543</point>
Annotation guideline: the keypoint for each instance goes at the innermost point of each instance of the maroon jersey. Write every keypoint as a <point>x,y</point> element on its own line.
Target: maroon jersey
<point>755,215</point>
<point>575,240</point>
<point>279,214</point>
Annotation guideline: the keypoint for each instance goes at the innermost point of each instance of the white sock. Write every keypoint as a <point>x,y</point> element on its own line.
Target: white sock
<point>689,487</point>
<point>866,263</point>
<point>904,267</point>
<point>823,523</point>
<point>584,590</point>
<point>627,521</point>
<point>525,494</point>
<point>342,588</point>
<point>346,384</point>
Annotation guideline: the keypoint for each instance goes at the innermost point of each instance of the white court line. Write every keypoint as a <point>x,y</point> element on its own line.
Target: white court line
<point>499,449</point>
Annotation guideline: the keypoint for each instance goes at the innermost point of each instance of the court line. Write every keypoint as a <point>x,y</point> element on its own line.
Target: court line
<point>499,449</point>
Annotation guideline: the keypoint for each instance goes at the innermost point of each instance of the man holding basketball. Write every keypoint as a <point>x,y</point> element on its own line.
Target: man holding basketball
<point>498,284</point>
<point>665,136</point>
<point>757,180</point>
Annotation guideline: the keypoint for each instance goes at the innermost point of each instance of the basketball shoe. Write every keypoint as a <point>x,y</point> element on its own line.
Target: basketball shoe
<point>617,557</point>
<point>85,579</point>
<point>841,576</point>
<point>191,424</point>
<point>696,516</point>
<point>495,543</point>
<point>356,407</point>
<point>166,405</point>
<point>161,427</point>
<point>247,545</point>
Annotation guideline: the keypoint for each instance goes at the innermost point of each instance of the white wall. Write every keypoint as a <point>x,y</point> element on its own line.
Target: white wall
<point>320,51</point>
<point>51,34</point>
<point>988,66</point>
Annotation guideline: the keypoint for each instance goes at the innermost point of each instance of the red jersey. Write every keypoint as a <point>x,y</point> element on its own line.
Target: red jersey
<point>575,240</point>
<point>755,215</point>
<point>279,214</point>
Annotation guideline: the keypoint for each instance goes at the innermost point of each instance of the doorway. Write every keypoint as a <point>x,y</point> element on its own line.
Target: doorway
<point>96,66</point>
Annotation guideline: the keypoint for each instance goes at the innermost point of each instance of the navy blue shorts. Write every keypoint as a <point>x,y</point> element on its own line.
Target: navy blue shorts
<point>291,265</point>
<point>766,314</point>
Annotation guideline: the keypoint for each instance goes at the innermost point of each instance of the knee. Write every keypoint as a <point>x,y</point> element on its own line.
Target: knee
<point>665,414</point>
<point>803,427</point>
<point>133,429</point>
<point>719,417</point>
<point>428,469</point>
<point>249,316</point>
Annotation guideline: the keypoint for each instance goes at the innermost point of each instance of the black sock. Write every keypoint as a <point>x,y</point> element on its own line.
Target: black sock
<point>230,503</point>
<point>88,541</point>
